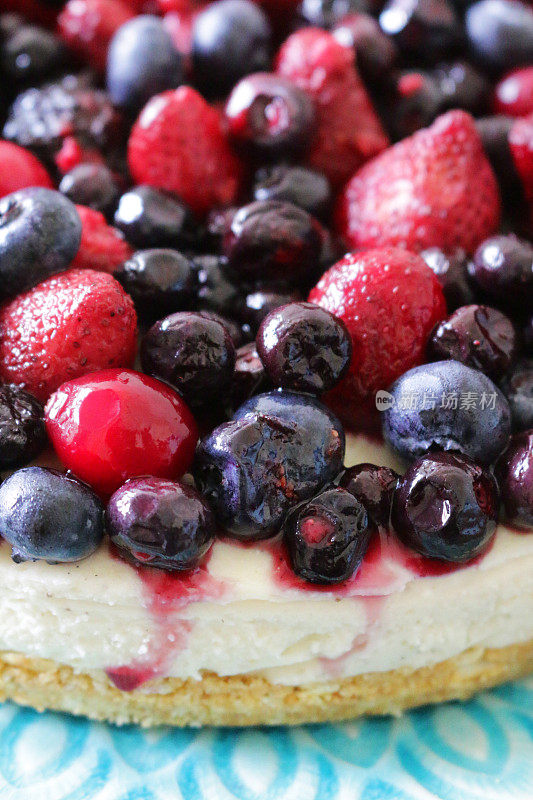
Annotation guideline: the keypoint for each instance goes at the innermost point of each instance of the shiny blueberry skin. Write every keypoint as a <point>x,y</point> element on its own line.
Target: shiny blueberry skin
<point>269,116</point>
<point>518,389</point>
<point>230,39</point>
<point>273,243</point>
<point>47,515</point>
<point>150,218</point>
<point>142,61</point>
<point>92,185</point>
<point>22,429</point>
<point>215,291</point>
<point>452,274</point>
<point>249,376</point>
<point>446,507</point>
<point>256,306</point>
<point>478,427</point>
<point>253,470</point>
<point>426,29</point>
<point>500,33</point>
<point>301,186</point>
<point>193,352</point>
<point>40,233</point>
<point>514,471</point>
<point>503,268</point>
<point>375,52</point>
<point>326,13</point>
<point>478,336</point>
<point>160,523</point>
<point>304,348</point>
<point>327,537</point>
<point>159,281</point>
<point>374,487</point>
<point>31,55</point>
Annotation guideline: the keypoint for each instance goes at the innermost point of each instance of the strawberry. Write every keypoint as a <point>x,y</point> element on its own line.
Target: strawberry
<point>102,246</point>
<point>433,189</point>
<point>178,144</point>
<point>348,131</point>
<point>69,325</point>
<point>87,27</point>
<point>20,169</point>
<point>390,300</point>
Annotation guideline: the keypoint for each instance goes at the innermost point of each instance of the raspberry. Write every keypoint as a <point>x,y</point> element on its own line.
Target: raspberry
<point>19,169</point>
<point>102,247</point>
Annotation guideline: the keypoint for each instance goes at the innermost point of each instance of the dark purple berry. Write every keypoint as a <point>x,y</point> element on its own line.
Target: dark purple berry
<point>528,336</point>
<point>239,334</point>
<point>304,348</point>
<point>193,352</point>
<point>215,291</point>
<point>500,33</point>
<point>503,268</point>
<point>326,13</point>
<point>426,29</point>
<point>478,336</point>
<point>269,116</point>
<point>160,523</point>
<point>327,537</point>
<point>301,186</point>
<point>375,52</point>
<point>47,515</point>
<point>515,477</point>
<point>22,430</point>
<point>272,243</point>
<point>462,86</point>
<point>249,376</point>
<point>31,55</point>
<point>518,389</point>
<point>92,185</point>
<point>257,305</point>
<point>374,487</point>
<point>494,132</point>
<point>218,222</point>
<point>159,281</point>
<point>452,273</point>
<point>149,217</point>
<point>415,100</point>
<point>446,507</point>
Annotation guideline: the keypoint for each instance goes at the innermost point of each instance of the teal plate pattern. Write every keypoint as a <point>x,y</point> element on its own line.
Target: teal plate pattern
<point>480,750</point>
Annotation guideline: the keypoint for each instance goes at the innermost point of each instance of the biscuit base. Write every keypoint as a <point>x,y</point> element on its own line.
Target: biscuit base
<point>252,700</point>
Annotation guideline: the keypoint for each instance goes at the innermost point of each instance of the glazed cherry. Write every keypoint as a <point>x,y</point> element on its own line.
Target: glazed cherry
<point>503,267</point>
<point>478,336</point>
<point>374,487</point>
<point>160,523</point>
<point>269,115</point>
<point>301,186</point>
<point>515,476</point>
<point>304,348</point>
<point>446,507</point>
<point>518,389</point>
<point>327,537</point>
<point>451,271</point>
<point>117,424</point>
<point>513,95</point>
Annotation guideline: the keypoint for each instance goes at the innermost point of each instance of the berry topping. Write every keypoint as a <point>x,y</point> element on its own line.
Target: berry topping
<point>515,477</point>
<point>118,424</point>
<point>20,169</point>
<point>50,516</point>
<point>518,389</point>
<point>446,507</point>
<point>303,347</point>
<point>40,232</point>
<point>160,523</point>
<point>22,431</point>
<point>447,406</point>
<point>478,336</point>
<point>151,218</point>
<point>327,537</point>
<point>92,185</point>
<point>390,301</point>
<point>503,268</point>
<point>300,186</point>
<point>194,352</point>
<point>102,247</point>
<point>374,487</point>
<point>93,323</point>
<point>451,270</point>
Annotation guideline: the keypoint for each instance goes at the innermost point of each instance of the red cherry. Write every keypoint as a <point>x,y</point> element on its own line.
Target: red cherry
<point>117,424</point>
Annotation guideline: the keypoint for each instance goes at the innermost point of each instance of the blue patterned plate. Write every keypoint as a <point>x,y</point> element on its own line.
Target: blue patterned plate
<point>481,750</point>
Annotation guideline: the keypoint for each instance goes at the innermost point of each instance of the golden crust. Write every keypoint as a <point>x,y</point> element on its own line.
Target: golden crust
<point>252,700</point>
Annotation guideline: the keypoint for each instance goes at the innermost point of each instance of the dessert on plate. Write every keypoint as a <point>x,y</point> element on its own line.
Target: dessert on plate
<point>266,356</point>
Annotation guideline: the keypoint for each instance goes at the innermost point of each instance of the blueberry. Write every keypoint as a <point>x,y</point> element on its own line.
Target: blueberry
<point>151,218</point>
<point>375,52</point>
<point>193,352</point>
<point>326,13</point>
<point>253,470</point>
<point>215,292</point>
<point>22,430</point>
<point>503,268</point>
<point>92,185</point>
<point>272,243</point>
<point>31,55</point>
<point>47,515</point>
<point>40,233</point>
<point>500,33</point>
<point>426,29</point>
<point>518,389</point>
<point>142,61</point>
<point>327,537</point>
<point>515,477</point>
<point>452,273</point>
<point>230,39</point>
<point>304,348</point>
<point>160,523</point>
<point>494,132</point>
<point>159,281</point>
<point>374,487</point>
<point>447,406</point>
<point>257,305</point>
<point>269,116</point>
<point>478,336</point>
<point>446,507</point>
<point>301,186</point>
<point>249,376</point>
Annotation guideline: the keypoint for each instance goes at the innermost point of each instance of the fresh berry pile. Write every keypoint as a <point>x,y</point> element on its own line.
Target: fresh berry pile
<point>228,232</point>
